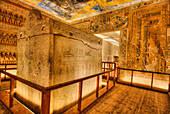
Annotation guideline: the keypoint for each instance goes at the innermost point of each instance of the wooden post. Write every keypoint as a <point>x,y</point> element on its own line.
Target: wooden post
<point>80,95</point>
<point>114,74</point>
<point>111,66</point>
<point>0,84</point>
<point>5,74</point>
<point>108,75</point>
<point>169,84</point>
<point>11,93</point>
<point>0,79</point>
<point>45,102</point>
<point>152,81</point>
<point>104,67</point>
<point>132,78</point>
<point>118,70</point>
<point>97,87</point>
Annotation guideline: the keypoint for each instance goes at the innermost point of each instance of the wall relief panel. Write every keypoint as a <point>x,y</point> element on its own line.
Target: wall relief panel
<point>11,17</point>
<point>8,57</point>
<point>8,37</point>
<point>147,45</point>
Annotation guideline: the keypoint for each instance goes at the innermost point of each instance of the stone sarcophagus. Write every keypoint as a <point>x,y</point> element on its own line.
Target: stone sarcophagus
<point>51,52</point>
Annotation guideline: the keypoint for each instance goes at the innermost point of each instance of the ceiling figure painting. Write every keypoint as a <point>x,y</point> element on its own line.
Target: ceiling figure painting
<point>70,10</point>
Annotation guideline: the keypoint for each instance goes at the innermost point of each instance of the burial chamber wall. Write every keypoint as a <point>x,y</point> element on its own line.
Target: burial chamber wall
<point>147,48</point>
<point>144,42</point>
<point>11,19</point>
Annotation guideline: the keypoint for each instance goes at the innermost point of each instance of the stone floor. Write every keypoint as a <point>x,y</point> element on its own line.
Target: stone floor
<point>3,109</point>
<point>124,99</point>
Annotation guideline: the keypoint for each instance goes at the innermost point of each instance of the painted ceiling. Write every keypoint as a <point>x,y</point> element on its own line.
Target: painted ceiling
<point>70,10</point>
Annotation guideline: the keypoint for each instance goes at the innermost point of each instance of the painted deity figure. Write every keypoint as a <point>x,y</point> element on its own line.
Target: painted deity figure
<point>15,19</point>
<point>10,56</point>
<point>2,37</point>
<point>6,57</point>
<point>10,17</point>
<point>2,57</point>
<point>4,16</point>
<point>14,56</point>
<point>7,38</point>
<point>15,39</point>
<point>11,39</point>
<point>0,14</point>
<point>20,20</point>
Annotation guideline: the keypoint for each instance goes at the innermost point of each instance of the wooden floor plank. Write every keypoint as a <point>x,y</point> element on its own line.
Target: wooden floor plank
<point>17,108</point>
<point>124,99</point>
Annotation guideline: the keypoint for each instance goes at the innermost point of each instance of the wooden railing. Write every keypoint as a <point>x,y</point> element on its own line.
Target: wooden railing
<point>46,91</point>
<point>151,85</point>
<point>5,68</point>
<point>108,65</point>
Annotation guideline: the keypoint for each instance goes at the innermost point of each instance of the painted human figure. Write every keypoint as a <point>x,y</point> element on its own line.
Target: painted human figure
<point>10,17</point>
<point>10,56</point>
<point>15,39</point>
<point>2,57</point>
<point>4,16</point>
<point>11,39</point>
<point>0,14</point>
<point>7,38</point>
<point>2,37</point>
<point>6,56</point>
<point>15,19</point>
<point>20,20</point>
<point>14,56</point>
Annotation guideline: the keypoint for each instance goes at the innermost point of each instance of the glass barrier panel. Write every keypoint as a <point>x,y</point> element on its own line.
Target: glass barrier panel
<point>125,75</point>
<point>161,81</point>
<point>64,98</point>
<point>142,78</point>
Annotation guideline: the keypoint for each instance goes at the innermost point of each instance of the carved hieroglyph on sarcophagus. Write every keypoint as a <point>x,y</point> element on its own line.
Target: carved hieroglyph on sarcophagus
<point>147,43</point>
<point>11,17</point>
<point>8,57</point>
<point>8,37</point>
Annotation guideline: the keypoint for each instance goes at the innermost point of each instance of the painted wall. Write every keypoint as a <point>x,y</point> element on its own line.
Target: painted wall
<point>147,47</point>
<point>168,58</point>
<point>115,19</point>
<point>11,19</point>
<point>144,41</point>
